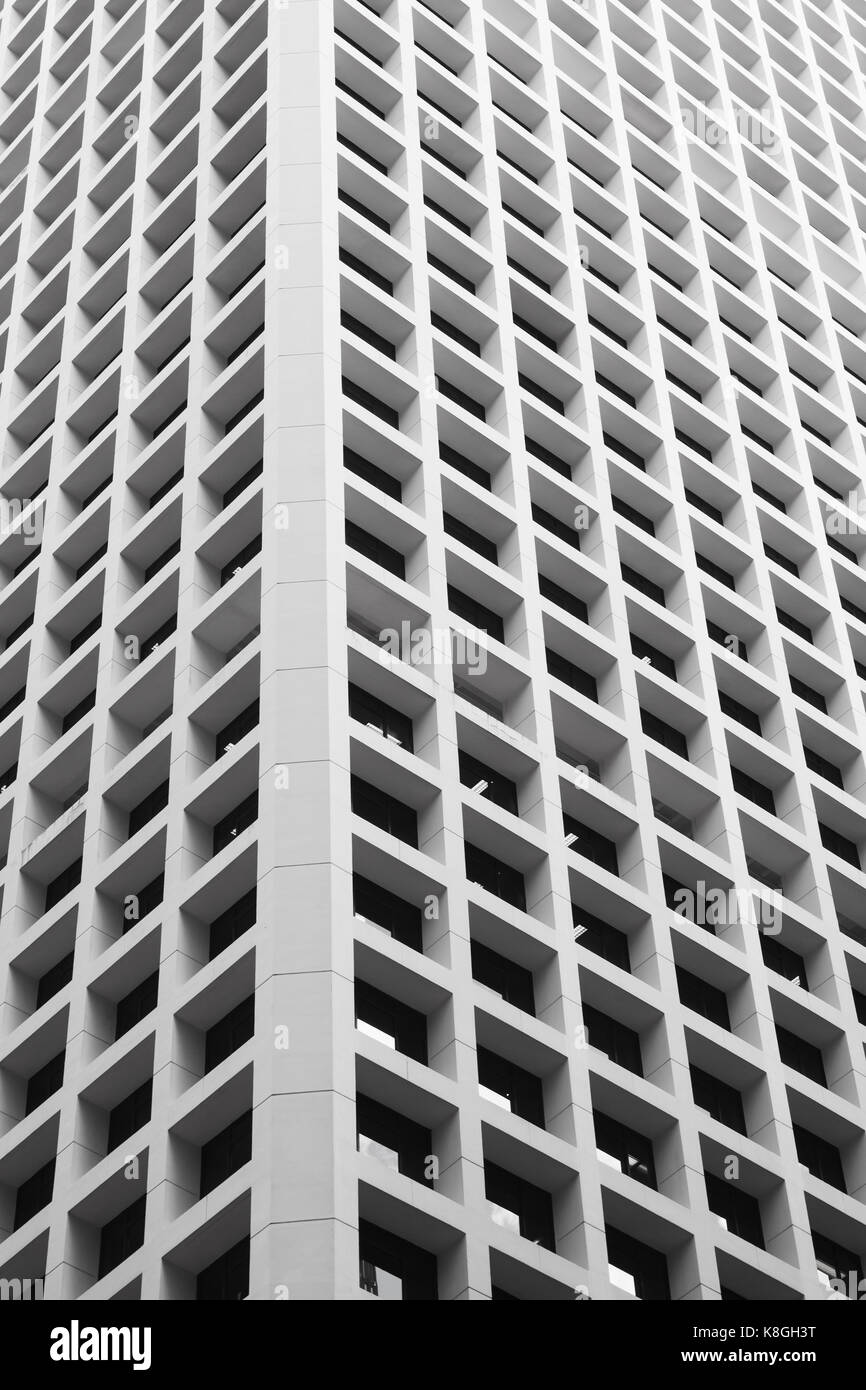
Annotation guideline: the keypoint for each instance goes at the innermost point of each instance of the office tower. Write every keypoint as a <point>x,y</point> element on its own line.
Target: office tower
<point>434,643</point>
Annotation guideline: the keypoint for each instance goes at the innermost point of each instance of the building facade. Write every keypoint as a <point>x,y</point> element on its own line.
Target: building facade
<point>434,641</point>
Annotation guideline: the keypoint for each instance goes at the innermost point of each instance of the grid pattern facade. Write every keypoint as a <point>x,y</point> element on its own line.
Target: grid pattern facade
<point>434,644</point>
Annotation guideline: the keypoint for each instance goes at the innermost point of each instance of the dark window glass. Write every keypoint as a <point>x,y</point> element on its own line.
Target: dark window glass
<point>600,938</point>
<point>624,452</point>
<point>757,439</point>
<point>520,1088</point>
<point>384,811</point>
<point>121,1237</point>
<point>619,1042</point>
<point>64,883</point>
<point>368,335</point>
<point>448,216</point>
<point>803,1056</point>
<point>738,1210</point>
<point>632,1151</point>
<point>460,398</point>
<point>545,455</point>
<point>71,718</point>
<point>823,767</point>
<point>241,414</point>
<point>563,530</point>
<point>820,1156</point>
<point>839,844</point>
<point>729,640</point>
<point>703,998</point>
<point>53,981</point>
<point>238,820</point>
<point>129,1115</point>
<point>156,639</point>
<point>660,661</point>
<point>704,506</point>
<point>372,473</point>
<point>376,550</point>
<point>754,790</point>
<point>571,674</point>
<point>794,625</point>
<point>564,598</point>
<point>368,401</point>
<point>392,1021</point>
<point>34,1194</point>
<point>530,1205</point>
<point>780,559</point>
<point>664,733</point>
<point>458,529</point>
<point>241,485</point>
<point>361,267</point>
<point>388,911</point>
<point>143,902</point>
<point>501,879</point>
<point>615,389</point>
<point>768,496</point>
<point>84,633</point>
<point>242,558</point>
<point>137,1004</point>
<point>632,514</point>
<point>720,1100</point>
<point>505,977</point>
<point>736,710</point>
<point>785,962</point>
<point>695,445</point>
<point>44,1082</point>
<point>153,803</point>
<point>834,1261</point>
<point>805,692</point>
<point>591,844</point>
<point>237,728</point>
<point>226,1153</point>
<point>389,1136</point>
<point>646,1269</point>
<point>475,613</point>
<point>228,1278</point>
<point>232,923</point>
<point>463,465</point>
<point>370,710</point>
<point>643,585</point>
<point>162,560</point>
<point>716,571</point>
<point>230,1033</point>
<point>6,709</point>
<point>392,1268</point>
<point>499,789</point>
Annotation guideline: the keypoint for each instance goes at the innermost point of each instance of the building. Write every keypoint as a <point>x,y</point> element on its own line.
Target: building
<point>434,642</point>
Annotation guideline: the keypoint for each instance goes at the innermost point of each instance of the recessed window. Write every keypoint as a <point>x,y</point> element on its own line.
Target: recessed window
<point>393,1139</point>
<point>386,911</point>
<point>623,1148</point>
<point>735,1210</point>
<point>510,1086</point>
<point>519,1206</point>
<point>394,1269</point>
<point>512,982</point>
<point>390,1021</point>
<point>617,1040</point>
<point>720,1100</point>
<point>822,1158</point>
<point>227,1278</point>
<point>635,1267</point>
